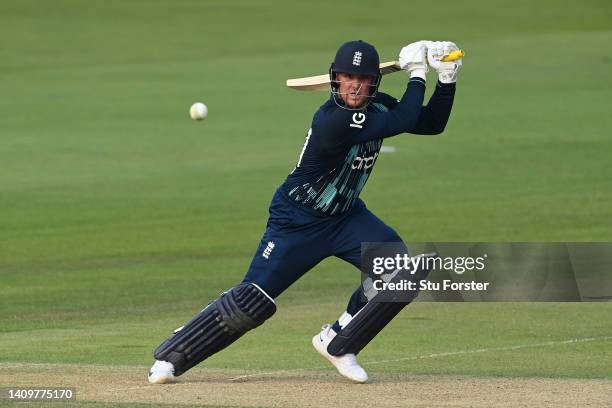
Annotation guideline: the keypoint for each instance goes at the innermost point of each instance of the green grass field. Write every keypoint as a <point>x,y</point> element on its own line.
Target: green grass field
<point>121,217</point>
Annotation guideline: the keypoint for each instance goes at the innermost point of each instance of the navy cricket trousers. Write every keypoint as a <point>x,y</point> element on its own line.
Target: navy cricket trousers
<point>297,238</point>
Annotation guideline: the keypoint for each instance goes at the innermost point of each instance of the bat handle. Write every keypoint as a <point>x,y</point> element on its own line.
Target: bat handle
<point>453,56</point>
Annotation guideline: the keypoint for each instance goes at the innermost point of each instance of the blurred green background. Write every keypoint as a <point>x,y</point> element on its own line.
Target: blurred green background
<point>120,217</point>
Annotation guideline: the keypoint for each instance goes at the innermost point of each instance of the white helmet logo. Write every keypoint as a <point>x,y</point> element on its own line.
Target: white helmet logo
<point>357,58</point>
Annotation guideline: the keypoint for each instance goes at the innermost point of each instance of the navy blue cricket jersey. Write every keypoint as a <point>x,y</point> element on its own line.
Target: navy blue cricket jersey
<point>342,145</point>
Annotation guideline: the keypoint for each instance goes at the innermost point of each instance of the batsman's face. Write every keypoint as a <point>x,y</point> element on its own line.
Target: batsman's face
<point>354,89</point>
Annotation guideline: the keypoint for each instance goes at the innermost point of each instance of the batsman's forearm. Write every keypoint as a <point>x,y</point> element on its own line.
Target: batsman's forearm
<point>405,115</point>
<point>434,116</point>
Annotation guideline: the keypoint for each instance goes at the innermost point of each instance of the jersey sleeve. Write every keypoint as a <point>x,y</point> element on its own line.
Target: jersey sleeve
<point>389,101</point>
<point>342,127</point>
<point>434,116</point>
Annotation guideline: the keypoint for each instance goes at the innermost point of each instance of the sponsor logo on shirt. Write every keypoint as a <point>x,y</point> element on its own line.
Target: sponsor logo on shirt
<point>358,119</point>
<point>364,163</point>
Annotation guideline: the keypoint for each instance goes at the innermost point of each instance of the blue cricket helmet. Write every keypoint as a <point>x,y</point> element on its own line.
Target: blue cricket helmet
<point>355,57</point>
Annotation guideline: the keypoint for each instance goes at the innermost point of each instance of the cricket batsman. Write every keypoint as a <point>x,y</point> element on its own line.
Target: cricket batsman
<point>317,213</point>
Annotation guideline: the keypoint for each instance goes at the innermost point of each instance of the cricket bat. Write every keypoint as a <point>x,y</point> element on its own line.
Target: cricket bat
<point>321,82</point>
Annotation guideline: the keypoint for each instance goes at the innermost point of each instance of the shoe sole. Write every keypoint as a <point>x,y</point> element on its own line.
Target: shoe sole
<point>162,379</point>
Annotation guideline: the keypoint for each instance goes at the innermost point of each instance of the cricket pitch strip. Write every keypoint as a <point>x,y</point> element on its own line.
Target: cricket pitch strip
<point>214,387</point>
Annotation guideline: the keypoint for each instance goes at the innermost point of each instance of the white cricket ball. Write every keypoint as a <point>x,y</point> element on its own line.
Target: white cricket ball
<point>198,111</point>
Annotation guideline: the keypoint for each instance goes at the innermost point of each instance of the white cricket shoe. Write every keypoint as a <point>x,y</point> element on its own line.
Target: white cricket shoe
<point>162,372</point>
<point>346,364</point>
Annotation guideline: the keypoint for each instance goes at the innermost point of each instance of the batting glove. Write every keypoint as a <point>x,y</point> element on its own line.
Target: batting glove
<point>447,71</point>
<point>413,59</point>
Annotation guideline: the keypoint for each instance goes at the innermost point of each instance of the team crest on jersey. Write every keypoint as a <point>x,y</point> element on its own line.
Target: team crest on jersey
<point>268,251</point>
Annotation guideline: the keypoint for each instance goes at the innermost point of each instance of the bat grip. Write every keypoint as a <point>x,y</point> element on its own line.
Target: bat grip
<point>453,56</point>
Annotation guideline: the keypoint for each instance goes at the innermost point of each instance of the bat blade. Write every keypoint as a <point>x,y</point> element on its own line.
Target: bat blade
<point>313,83</point>
<point>322,82</point>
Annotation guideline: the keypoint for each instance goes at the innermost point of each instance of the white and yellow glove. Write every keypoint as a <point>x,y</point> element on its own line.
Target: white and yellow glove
<point>413,59</point>
<point>447,71</point>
